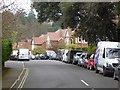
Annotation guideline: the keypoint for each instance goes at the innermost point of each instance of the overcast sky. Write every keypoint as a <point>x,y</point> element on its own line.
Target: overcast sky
<point>20,4</point>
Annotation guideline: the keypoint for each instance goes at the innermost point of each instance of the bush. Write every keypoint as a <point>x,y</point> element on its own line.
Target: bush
<point>61,46</point>
<point>91,48</point>
<point>73,47</point>
<point>6,49</point>
<point>38,50</point>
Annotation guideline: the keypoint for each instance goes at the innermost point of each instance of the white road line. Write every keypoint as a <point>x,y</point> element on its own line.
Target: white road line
<point>84,82</point>
<point>17,78</point>
<point>23,79</point>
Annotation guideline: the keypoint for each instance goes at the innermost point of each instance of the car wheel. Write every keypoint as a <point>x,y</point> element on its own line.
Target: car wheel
<point>114,76</point>
<point>104,71</point>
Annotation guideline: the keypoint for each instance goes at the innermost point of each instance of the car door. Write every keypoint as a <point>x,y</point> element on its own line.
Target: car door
<point>101,59</point>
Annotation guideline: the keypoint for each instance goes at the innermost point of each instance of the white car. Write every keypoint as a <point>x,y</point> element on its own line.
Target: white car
<point>76,58</point>
<point>65,56</point>
<point>23,54</point>
<point>32,57</point>
<point>80,60</point>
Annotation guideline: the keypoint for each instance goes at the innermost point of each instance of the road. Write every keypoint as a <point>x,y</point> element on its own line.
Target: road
<point>56,74</point>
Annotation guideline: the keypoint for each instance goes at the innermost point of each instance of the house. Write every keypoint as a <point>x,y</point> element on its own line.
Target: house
<point>55,38</point>
<point>24,43</point>
<point>39,41</point>
<point>81,42</point>
<point>68,36</point>
<point>61,36</point>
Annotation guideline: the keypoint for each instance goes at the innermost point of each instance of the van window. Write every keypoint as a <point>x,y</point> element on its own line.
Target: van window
<point>112,53</point>
<point>104,53</point>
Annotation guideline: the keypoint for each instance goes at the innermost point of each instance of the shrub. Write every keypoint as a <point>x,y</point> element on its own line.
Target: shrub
<point>6,49</point>
<point>38,50</point>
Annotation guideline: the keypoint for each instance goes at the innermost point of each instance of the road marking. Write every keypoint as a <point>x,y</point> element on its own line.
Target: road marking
<point>84,82</point>
<point>23,79</point>
<point>17,78</point>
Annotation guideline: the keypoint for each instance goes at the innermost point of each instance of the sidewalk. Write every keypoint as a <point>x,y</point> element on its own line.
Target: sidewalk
<point>9,75</point>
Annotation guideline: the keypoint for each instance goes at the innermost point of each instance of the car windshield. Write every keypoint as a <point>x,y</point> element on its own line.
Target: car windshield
<point>113,53</point>
<point>78,54</point>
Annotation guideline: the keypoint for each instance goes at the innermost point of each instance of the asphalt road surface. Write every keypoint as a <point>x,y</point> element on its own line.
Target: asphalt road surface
<point>56,74</point>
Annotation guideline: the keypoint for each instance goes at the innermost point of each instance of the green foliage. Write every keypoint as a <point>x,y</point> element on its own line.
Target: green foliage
<point>55,26</point>
<point>91,48</point>
<point>38,50</point>
<point>47,10</point>
<point>61,46</point>
<point>92,20</point>
<point>6,49</point>
<point>73,47</point>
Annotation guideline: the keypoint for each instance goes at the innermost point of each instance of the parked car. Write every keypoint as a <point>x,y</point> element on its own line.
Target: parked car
<point>107,57</point>
<point>65,53</point>
<point>13,57</point>
<point>90,64</point>
<point>23,54</point>
<point>43,57</point>
<point>70,55</point>
<point>85,59</point>
<point>50,54</point>
<point>59,55</point>
<point>33,57</point>
<point>37,57</point>
<point>80,63</point>
<point>76,58</point>
<point>117,73</point>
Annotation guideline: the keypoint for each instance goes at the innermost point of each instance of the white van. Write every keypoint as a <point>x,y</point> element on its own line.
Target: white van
<point>23,54</point>
<point>107,57</point>
<point>65,56</point>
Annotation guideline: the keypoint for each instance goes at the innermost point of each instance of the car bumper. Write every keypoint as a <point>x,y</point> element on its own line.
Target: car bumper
<point>110,70</point>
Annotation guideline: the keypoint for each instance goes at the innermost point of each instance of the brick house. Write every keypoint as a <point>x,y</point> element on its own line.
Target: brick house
<point>39,41</point>
<point>68,36</point>
<point>54,39</point>
<point>24,43</point>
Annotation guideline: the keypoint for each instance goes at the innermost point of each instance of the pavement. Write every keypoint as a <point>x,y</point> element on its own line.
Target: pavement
<point>10,73</point>
<point>9,76</point>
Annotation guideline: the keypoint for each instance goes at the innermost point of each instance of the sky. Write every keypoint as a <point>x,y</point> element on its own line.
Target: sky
<point>18,4</point>
<point>25,4</point>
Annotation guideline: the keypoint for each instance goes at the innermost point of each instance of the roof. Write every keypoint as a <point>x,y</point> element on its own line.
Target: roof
<point>39,40</point>
<point>56,36</point>
<point>26,45</point>
<point>42,38</point>
<point>53,36</point>
<point>36,40</point>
